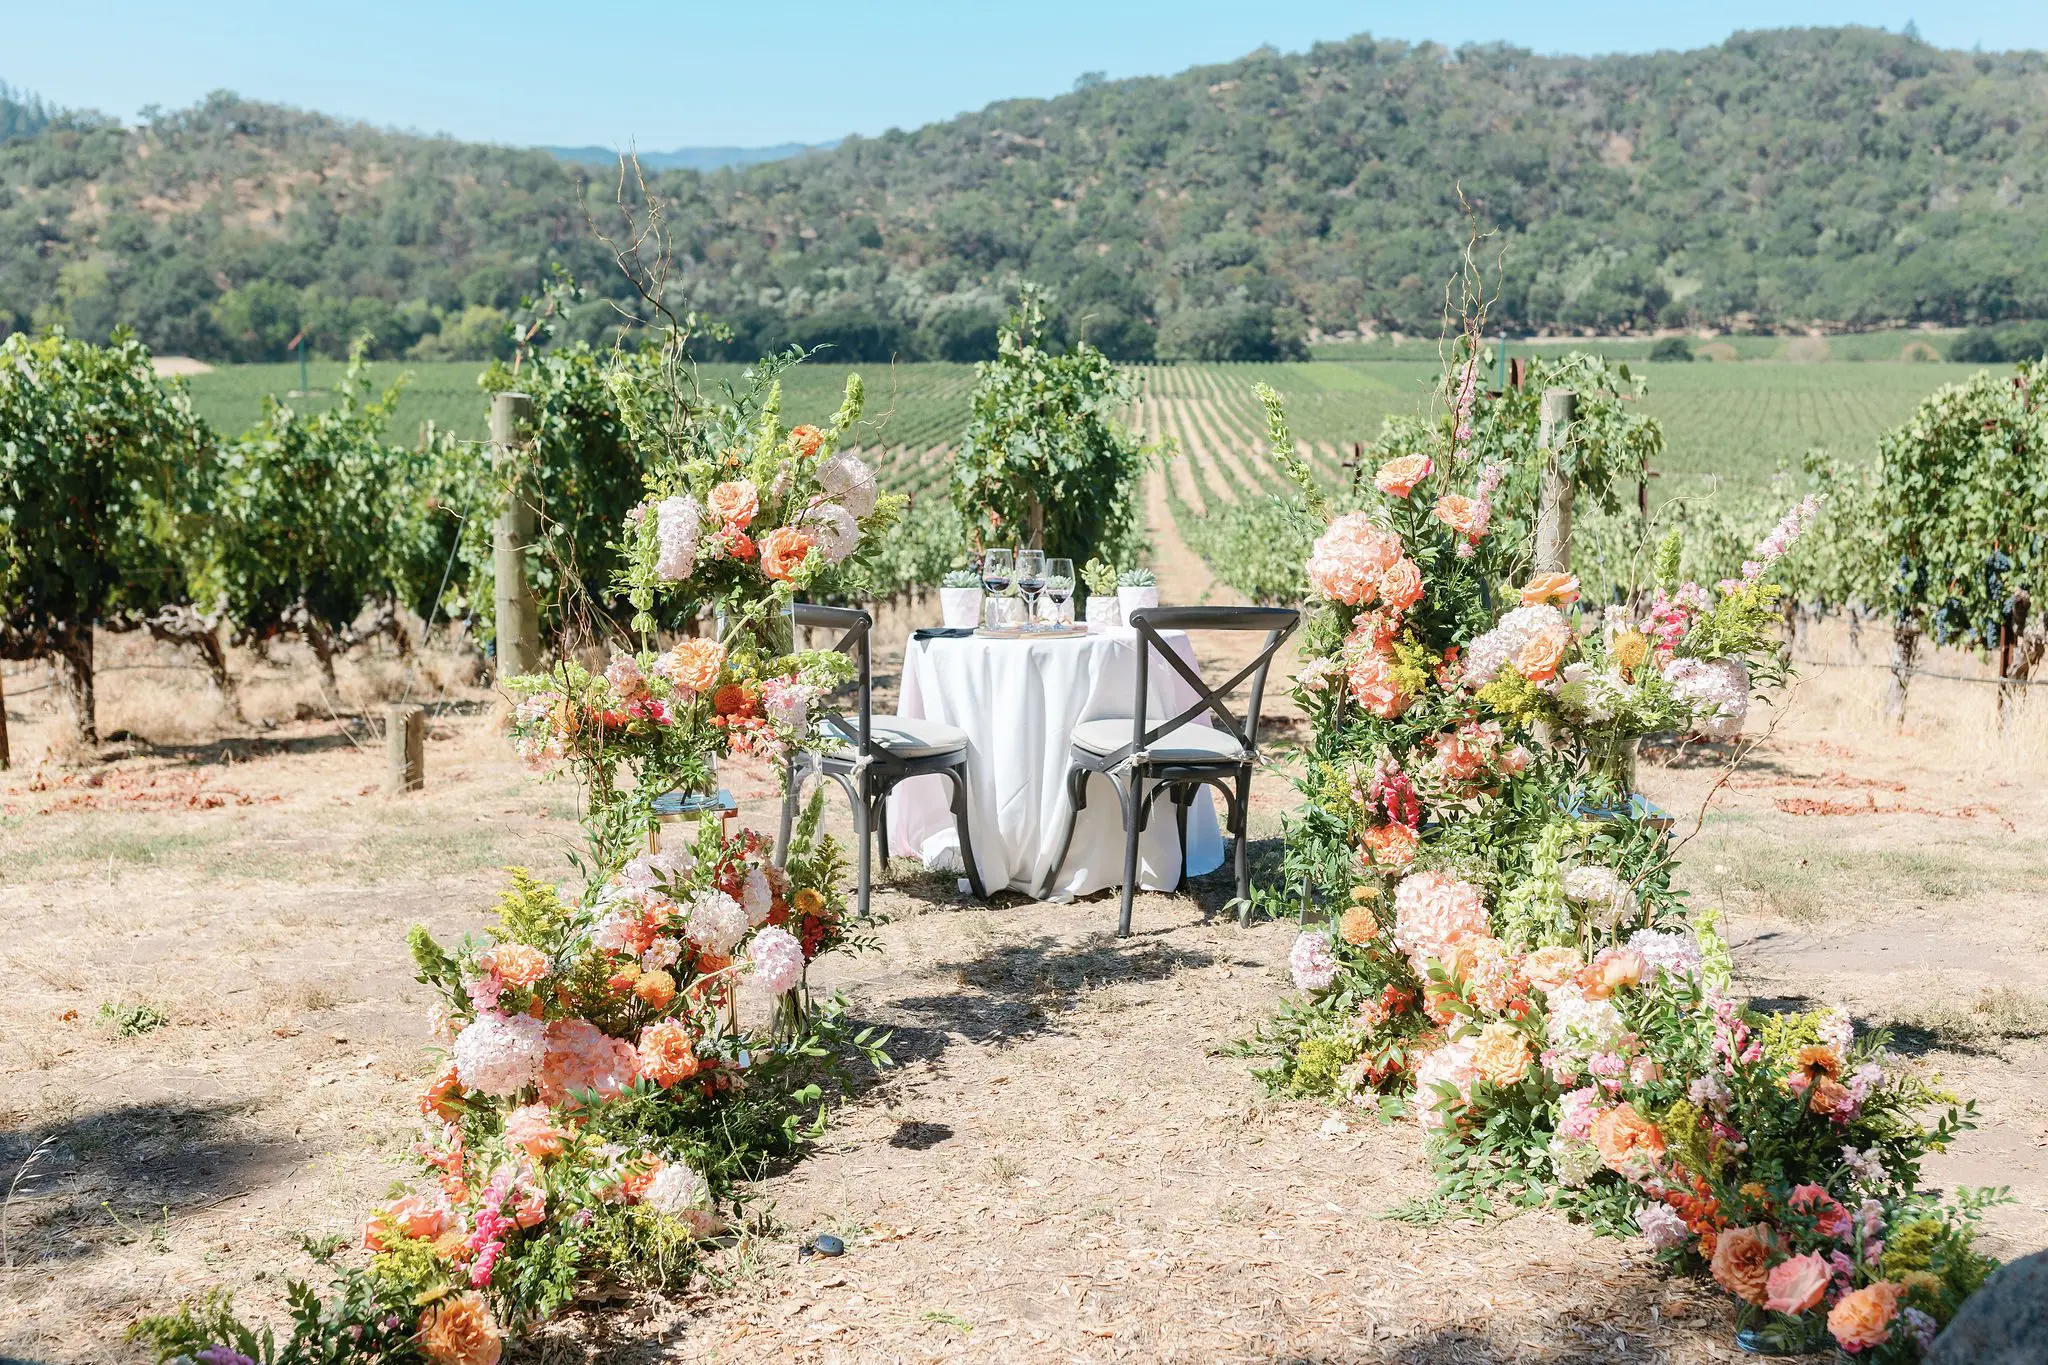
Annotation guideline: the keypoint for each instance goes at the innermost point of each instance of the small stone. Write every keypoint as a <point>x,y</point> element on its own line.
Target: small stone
<point>825,1244</point>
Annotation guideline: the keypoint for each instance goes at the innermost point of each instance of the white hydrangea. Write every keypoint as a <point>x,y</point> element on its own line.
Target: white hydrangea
<point>1582,1027</point>
<point>716,922</point>
<point>500,1054</point>
<point>675,1188</point>
<point>1668,950</point>
<point>661,954</point>
<point>833,528</point>
<point>1575,1161</point>
<point>757,897</point>
<point>650,871</point>
<point>1606,897</point>
<point>849,482</point>
<point>1716,689</point>
<point>676,524</point>
<point>1311,962</point>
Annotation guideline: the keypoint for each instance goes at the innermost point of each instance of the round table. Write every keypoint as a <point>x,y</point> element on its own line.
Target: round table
<point>1019,701</point>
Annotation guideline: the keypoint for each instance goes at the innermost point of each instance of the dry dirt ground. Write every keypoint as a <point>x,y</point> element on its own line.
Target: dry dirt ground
<point>1063,1166</point>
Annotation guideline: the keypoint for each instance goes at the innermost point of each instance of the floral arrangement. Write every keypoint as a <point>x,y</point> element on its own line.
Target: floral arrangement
<point>601,1101</point>
<point>1506,958</point>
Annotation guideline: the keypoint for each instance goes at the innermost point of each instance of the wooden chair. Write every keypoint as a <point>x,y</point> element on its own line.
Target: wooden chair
<point>877,753</point>
<point>1177,757</point>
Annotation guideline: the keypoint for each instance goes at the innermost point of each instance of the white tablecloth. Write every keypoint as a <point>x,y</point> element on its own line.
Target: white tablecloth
<point>1019,701</point>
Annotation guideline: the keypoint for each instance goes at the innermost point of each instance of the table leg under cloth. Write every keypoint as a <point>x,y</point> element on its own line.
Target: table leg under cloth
<point>1019,701</point>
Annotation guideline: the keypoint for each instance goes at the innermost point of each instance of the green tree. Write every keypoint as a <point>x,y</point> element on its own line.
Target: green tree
<point>93,451</point>
<point>1046,462</point>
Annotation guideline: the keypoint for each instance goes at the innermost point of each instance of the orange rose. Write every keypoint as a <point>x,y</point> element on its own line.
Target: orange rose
<point>1625,1137</point>
<point>1561,589</point>
<point>1461,758</point>
<point>783,551</point>
<point>518,964</point>
<point>1864,1319</point>
<point>1611,972</point>
<point>1460,513</point>
<point>442,1097</point>
<point>1829,1097</point>
<point>1539,657</point>
<point>1796,1284</point>
<point>735,502</point>
<point>1391,846</point>
<point>655,989</point>
<point>694,664</point>
<point>1741,1262</point>
<point>1374,687</point>
<point>668,1053</point>
<point>1401,585</point>
<point>412,1216</point>
<point>1398,477</point>
<point>806,440</point>
<point>459,1331</point>
<point>1359,926</point>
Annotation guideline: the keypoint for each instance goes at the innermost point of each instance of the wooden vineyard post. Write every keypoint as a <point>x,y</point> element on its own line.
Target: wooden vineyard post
<point>1905,644</point>
<point>405,748</point>
<point>6,759</point>
<point>1554,496</point>
<point>517,614</point>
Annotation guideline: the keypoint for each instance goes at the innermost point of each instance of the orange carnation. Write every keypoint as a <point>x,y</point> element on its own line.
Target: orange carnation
<point>1359,926</point>
<point>518,964</point>
<point>1742,1262</point>
<point>1817,1060</point>
<point>694,664</point>
<point>655,989</point>
<point>1539,657</point>
<point>806,439</point>
<point>1560,589</point>
<point>733,700</point>
<point>783,551</point>
<point>459,1331</point>
<point>1864,1319</point>
<point>1398,477</point>
<point>668,1053</point>
<point>1625,1137</point>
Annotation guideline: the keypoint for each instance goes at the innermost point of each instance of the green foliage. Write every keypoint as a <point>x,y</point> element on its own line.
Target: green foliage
<point>132,1020</point>
<point>364,1322</point>
<point>531,911</point>
<point>1046,461</point>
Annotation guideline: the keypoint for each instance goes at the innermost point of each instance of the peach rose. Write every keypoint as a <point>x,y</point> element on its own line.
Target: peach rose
<point>518,964</point>
<point>1373,687</point>
<point>1502,1055</point>
<point>735,502</point>
<point>1460,513</point>
<point>1625,1137</point>
<point>1614,970</point>
<point>1398,476</point>
<point>784,550</point>
<point>1559,589</point>
<point>1863,1319</point>
<point>694,664</point>
<point>1741,1262</point>
<point>1829,1097</point>
<point>531,1129</point>
<point>1539,657</point>
<point>1401,585</point>
<point>459,1331</point>
<point>1461,758</point>
<point>1796,1284</point>
<point>1391,847</point>
<point>668,1053</point>
<point>1551,967</point>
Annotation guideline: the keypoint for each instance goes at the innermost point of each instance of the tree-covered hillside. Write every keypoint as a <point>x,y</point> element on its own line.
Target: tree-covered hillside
<point>1839,176</point>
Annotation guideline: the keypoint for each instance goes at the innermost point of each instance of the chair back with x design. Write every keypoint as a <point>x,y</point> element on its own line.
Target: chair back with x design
<point>1277,622</point>
<point>857,625</point>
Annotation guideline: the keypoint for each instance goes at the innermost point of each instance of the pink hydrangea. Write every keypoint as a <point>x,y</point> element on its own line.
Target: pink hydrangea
<point>1351,557</point>
<point>1311,962</point>
<point>716,922</point>
<point>1717,690</point>
<point>500,1054</point>
<point>757,897</point>
<point>1450,1063</point>
<point>581,1056</point>
<point>833,529</point>
<point>1434,912</point>
<point>1576,1110</point>
<point>776,960</point>
<point>677,522</point>
<point>1662,1228</point>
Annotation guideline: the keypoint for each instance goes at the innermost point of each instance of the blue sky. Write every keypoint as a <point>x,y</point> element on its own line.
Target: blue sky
<point>666,75</point>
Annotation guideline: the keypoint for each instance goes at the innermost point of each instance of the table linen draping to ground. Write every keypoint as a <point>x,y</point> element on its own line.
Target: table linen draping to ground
<point>1019,701</point>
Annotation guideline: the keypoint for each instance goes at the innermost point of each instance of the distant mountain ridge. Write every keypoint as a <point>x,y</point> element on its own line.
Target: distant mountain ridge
<point>1840,178</point>
<point>690,158</point>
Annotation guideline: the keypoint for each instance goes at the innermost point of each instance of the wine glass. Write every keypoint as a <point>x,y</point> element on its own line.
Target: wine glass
<point>998,567</point>
<point>1030,580</point>
<point>1059,586</point>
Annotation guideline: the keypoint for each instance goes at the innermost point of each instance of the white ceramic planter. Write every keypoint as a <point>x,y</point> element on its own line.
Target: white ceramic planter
<point>1104,611</point>
<point>1131,599</point>
<point>960,608</point>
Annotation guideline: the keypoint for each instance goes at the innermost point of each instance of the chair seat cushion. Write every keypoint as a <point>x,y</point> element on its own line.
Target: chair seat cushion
<point>1189,743</point>
<point>906,737</point>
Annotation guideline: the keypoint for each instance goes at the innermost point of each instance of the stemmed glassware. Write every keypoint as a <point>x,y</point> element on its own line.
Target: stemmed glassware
<point>1059,586</point>
<point>1030,580</point>
<point>998,568</point>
